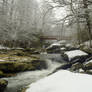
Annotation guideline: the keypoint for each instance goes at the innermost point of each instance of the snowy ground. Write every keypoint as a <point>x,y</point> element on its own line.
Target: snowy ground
<point>63,81</point>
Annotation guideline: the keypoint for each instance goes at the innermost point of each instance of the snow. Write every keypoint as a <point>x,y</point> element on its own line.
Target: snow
<point>87,43</point>
<point>74,53</point>
<point>81,70</point>
<point>3,47</point>
<point>58,43</point>
<point>62,48</point>
<point>54,44</point>
<point>62,42</point>
<point>90,61</point>
<point>69,45</point>
<point>1,60</point>
<point>63,81</point>
<point>90,70</point>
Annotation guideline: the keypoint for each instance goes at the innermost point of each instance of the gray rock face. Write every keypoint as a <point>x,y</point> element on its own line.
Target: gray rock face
<point>53,49</point>
<point>3,85</point>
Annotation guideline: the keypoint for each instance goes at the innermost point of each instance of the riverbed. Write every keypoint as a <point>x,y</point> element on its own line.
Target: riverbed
<point>21,80</point>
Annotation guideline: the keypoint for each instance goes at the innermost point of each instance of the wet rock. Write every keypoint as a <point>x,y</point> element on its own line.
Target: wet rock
<point>1,74</point>
<point>88,65</point>
<point>64,66</point>
<point>35,52</point>
<point>87,50</point>
<point>3,85</point>
<point>14,67</point>
<point>23,90</point>
<point>76,67</point>
<point>80,59</point>
<point>64,57</point>
<point>31,51</point>
<point>89,71</point>
<point>81,70</point>
<point>63,49</point>
<point>54,48</point>
<point>89,58</point>
<point>39,64</point>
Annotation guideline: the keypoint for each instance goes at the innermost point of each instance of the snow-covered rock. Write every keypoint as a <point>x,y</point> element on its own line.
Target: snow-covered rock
<point>3,85</point>
<point>63,81</point>
<point>3,47</point>
<point>1,60</point>
<point>53,45</point>
<point>58,43</point>
<point>81,70</point>
<point>53,48</point>
<point>88,65</point>
<point>69,45</point>
<point>62,42</point>
<point>75,53</point>
<point>87,43</point>
<point>62,48</point>
<point>90,61</point>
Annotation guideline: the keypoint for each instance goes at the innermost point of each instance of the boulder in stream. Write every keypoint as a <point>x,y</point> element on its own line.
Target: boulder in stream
<point>3,85</point>
<point>88,66</point>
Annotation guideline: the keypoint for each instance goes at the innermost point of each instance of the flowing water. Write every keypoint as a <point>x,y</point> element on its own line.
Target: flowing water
<point>25,78</point>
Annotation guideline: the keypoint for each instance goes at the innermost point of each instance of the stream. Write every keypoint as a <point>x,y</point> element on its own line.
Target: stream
<point>25,78</point>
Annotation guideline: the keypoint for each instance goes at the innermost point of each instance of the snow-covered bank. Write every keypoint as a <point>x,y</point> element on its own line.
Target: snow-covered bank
<point>63,81</point>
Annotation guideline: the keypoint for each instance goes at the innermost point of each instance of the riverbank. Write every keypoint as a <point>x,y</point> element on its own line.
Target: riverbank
<point>27,60</point>
<point>14,61</point>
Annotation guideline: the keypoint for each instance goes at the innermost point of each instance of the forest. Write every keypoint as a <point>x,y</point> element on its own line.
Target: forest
<point>23,23</point>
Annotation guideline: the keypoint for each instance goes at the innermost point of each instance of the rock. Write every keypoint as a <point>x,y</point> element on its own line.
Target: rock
<point>63,49</point>
<point>81,70</point>
<point>64,66</point>
<point>87,66</point>
<point>31,51</point>
<point>76,67</point>
<point>89,58</point>
<point>1,74</point>
<point>23,89</point>
<point>14,67</point>
<point>71,48</point>
<point>87,50</point>
<point>35,52</point>
<point>54,49</point>
<point>89,71</point>
<point>64,57</point>
<point>39,64</point>
<point>80,59</point>
<point>3,85</point>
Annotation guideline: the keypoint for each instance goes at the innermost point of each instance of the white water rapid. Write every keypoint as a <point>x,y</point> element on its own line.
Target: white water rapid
<point>26,78</point>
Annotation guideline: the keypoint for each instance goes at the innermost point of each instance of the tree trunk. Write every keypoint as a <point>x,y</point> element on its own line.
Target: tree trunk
<point>85,3</point>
